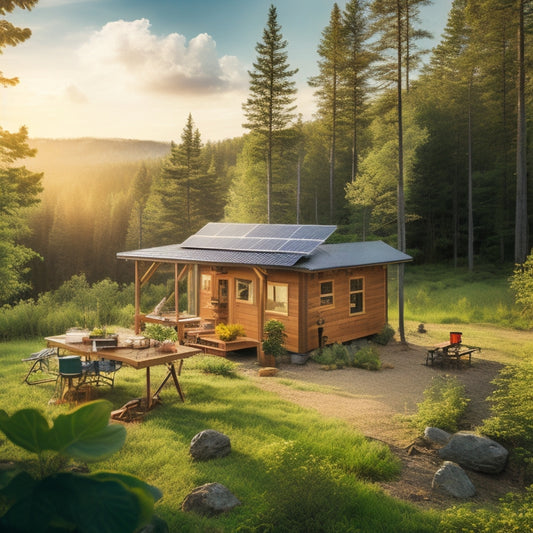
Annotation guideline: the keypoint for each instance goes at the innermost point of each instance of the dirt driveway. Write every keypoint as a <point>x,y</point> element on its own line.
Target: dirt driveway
<point>374,402</point>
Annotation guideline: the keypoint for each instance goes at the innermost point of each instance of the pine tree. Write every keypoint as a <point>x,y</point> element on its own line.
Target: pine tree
<point>19,188</point>
<point>332,51</point>
<point>356,72</point>
<point>269,108</point>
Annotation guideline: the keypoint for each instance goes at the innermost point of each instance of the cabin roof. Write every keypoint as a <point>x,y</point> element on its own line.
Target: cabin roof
<point>271,245</point>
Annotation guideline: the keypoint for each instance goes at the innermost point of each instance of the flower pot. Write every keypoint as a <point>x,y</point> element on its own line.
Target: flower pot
<point>167,346</point>
<point>299,358</point>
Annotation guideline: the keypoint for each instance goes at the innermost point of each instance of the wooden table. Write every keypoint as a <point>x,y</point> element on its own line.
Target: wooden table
<point>447,353</point>
<point>137,358</point>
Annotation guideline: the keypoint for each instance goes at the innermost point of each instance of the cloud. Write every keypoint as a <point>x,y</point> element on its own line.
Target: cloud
<point>75,95</point>
<point>161,64</point>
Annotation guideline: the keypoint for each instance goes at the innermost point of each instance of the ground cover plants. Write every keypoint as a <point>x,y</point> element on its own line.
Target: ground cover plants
<point>283,457</point>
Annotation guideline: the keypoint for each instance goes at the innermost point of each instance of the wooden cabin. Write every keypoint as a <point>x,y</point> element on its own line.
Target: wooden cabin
<point>250,273</point>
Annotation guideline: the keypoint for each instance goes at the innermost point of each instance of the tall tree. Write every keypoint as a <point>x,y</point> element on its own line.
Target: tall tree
<point>332,53</point>
<point>186,195</point>
<point>356,72</point>
<point>521,225</point>
<point>19,188</point>
<point>269,109</point>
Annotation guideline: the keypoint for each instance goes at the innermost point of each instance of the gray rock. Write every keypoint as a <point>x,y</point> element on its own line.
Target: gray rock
<point>452,479</point>
<point>209,444</point>
<point>475,452</point>
<point>210,499</point>
<point>436,435</point>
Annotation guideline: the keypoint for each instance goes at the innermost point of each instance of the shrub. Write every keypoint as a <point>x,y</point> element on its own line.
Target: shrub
<point>160,333</point>
<point>229,332</point>
<point>213,365</point>
<point>274,337</point>
<point>384,336</point>
<point>512,415</point>
<point>443,405</point>
<point>367,358</point>
<point>334,354</point>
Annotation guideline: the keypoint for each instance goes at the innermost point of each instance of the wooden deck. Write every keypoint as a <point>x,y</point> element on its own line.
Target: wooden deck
<point>211,344</point>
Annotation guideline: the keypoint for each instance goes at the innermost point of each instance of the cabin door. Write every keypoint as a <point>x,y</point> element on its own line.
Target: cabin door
<point>222,294</point>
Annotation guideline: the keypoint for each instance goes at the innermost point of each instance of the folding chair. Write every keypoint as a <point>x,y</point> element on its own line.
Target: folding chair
<point>73,374</point>
<point>40,364</point>
<point>105,371</point>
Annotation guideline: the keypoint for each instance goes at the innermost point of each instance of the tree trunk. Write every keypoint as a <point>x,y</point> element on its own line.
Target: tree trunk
<point>521,223</point>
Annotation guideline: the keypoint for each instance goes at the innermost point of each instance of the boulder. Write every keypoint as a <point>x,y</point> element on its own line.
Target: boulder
<point>268,371</point>
<point>475,452</point>
<point>452,479</point>
<point>210,499</point>
<point>209,444</point>
<point>436,435</point>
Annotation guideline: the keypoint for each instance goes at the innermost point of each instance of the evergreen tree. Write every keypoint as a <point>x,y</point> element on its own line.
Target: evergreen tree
<point>19,188</point>
<point>185,196</point>
<point>332,52</point>
<point>269,108</point>
<point>356,72</point>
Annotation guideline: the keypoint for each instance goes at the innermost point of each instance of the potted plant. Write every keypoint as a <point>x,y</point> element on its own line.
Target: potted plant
<point>273,341</point>
<point>165,336</point>
<point>229,332</point>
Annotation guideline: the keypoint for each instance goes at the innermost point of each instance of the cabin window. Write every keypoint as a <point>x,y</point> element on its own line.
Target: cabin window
<point>244,290</point>
<point>206,282</point>
<point>326,293</point>
<point>357,294</point>
<point>278,298</point>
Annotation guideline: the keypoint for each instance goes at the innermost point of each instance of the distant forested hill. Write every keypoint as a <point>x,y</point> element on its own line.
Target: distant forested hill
<point>53,153</point>
<point>90,203</point>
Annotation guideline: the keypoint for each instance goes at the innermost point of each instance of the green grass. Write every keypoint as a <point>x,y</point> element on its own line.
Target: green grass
<point>292,469</point>
<point>438,294</point>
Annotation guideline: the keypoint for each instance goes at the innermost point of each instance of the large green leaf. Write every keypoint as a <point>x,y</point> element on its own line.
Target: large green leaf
<point>27,428</point>
<point>103,503</point>
<point>85,432</point>
<point>15,484</point>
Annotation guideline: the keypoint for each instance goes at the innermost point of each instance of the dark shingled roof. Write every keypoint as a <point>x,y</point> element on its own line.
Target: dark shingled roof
<point>322,257</point>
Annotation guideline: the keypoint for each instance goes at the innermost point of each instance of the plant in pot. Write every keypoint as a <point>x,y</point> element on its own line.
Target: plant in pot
<point>273,341</point>
<point>229,332</point>
<point>165,336</point>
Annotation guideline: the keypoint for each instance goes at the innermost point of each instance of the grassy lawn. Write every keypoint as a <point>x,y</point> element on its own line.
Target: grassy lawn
<point>291,469</point>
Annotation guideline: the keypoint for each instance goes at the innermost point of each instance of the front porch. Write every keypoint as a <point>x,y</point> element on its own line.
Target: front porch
<point>212,345</point>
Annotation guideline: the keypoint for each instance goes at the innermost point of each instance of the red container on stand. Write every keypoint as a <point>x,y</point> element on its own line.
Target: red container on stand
<point>455,337</point>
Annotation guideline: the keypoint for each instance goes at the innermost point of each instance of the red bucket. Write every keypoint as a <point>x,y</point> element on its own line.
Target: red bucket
<point>455,337</point>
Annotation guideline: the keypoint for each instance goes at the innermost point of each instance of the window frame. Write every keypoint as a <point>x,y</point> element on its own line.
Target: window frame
<point>206,282</point>
<point>322,295</point>
<point>360,291</point>
<point>275,284</point>
<point>250,283</point>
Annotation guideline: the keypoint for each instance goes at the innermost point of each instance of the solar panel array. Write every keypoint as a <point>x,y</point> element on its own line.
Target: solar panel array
<point>281,238</point>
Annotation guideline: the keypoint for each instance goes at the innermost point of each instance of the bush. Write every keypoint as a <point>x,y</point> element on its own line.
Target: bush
<point>384,336</point>
<point>367,358</point>
<point>339,355</point>
<point>160,333</point>
<point>229,332</point>
<point>213,365</point>
<point>512,415</point>
<point>443,405</point>
<point>274,337</point>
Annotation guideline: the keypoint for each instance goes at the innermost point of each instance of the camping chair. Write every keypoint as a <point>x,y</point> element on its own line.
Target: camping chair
<point>73,375</point>
<point>40,364</point>
<point>105,371</point>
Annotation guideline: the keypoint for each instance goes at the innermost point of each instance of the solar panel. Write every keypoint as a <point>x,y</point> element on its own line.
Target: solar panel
<point>284,238</point>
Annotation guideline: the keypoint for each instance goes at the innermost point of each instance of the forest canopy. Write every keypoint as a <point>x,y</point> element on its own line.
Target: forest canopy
<point>461,152</point>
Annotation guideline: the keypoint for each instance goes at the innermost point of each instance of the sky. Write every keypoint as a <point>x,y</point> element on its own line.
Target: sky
<point>135,69</point>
